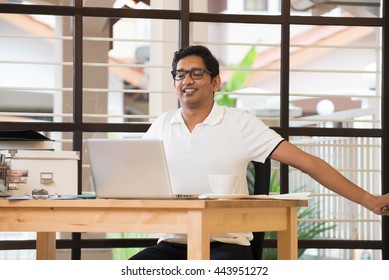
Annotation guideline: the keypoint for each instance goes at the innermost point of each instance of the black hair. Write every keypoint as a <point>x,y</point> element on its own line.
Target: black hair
<point>210,61</point>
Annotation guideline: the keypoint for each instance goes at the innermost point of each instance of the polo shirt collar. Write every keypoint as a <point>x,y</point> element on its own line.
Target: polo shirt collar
<point>214,117</point>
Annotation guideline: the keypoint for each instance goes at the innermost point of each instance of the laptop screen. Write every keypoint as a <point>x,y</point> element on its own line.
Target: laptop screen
<point>129,168</point>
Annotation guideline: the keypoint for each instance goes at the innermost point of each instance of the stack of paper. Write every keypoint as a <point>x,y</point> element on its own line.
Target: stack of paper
<point>291,196</point>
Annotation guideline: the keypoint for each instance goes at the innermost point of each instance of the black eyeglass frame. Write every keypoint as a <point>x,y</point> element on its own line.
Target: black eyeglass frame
<point>190,72</point>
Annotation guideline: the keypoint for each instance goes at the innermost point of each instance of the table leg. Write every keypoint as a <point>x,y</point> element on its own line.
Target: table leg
<point>287,240</point>
<point>198,236</point>
<point>45,246</point>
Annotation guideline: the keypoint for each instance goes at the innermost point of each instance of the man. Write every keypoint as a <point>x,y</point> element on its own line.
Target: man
<point>203,138</point>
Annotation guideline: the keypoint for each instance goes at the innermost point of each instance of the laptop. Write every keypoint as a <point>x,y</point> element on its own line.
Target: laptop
<point>129,168</point>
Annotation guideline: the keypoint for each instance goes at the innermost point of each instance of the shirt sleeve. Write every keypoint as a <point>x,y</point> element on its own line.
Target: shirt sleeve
<point>256,137</point>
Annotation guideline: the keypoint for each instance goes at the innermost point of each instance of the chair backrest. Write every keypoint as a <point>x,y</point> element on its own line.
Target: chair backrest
<point>262,176</point>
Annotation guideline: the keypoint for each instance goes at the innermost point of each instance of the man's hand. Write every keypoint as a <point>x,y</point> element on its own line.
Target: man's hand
<point>385,210</point>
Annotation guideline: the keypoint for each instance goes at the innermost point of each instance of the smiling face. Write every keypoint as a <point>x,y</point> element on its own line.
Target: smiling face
<point>195,93</point>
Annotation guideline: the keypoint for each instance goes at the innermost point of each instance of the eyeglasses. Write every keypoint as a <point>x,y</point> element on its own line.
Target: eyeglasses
<point>194,73</point>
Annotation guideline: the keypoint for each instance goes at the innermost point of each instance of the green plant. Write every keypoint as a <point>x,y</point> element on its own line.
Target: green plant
<point>237,80</point>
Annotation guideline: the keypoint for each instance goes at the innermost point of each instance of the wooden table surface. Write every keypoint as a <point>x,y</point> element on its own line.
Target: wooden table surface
<point>196,217</point>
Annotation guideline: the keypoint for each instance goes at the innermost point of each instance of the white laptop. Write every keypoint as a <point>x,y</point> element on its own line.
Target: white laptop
<point>129,168</point>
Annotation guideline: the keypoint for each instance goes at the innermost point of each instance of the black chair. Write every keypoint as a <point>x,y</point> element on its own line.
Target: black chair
<point>262,174</point>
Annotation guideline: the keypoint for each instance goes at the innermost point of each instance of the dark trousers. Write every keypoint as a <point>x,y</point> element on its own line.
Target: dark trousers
<point>175,251</point>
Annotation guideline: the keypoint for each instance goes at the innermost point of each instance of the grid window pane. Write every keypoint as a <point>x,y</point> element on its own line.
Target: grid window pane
<point>39,2</point>
<point>250,65</point>
<point>336,8</point>
<point>241,7</point>
<point>119,60</point>
<point>341,254</point>
<point>358,159</point>
<point>31,83</point>
<point>134,4</point>
<point>335,76</point>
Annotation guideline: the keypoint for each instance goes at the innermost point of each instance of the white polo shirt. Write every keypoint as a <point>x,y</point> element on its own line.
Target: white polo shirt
<point>225,143</point>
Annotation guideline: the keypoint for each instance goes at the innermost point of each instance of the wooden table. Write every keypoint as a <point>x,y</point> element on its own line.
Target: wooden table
<point>197,218</point>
